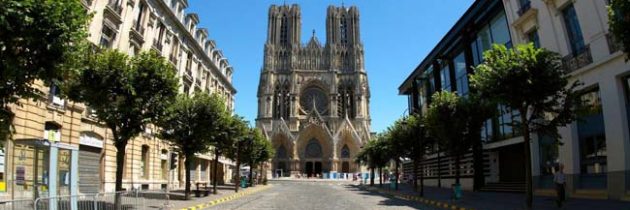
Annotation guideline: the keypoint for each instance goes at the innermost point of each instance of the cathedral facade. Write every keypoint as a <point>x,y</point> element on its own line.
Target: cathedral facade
<point>313,98</point>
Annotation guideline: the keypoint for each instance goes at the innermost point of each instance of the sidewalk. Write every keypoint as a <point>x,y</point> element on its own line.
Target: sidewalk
<point>224,193</point>
<point>491,200</point>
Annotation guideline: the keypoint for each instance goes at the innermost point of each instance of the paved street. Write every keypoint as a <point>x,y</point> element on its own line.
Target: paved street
<point>304,195</point>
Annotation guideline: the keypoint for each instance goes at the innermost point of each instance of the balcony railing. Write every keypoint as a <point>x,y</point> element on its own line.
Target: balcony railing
<point>577,60</point>
<point>524,8</point>
<point>613,44</point>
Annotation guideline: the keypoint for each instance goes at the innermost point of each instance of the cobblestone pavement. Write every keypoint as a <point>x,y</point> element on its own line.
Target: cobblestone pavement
<point>318,195</point>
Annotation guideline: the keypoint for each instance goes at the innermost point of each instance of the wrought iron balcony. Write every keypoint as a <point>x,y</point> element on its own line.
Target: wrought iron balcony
<point>577,59</point>
<point>524,8</point>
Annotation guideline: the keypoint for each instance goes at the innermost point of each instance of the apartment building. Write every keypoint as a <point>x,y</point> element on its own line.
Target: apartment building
<point>130,26</point>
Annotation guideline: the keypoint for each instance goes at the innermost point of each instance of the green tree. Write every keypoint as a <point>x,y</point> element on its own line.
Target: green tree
<point>231,131</point>
<point>126,95</point>
<point>190,124</point>
<point>256,149</point>
<point>619,20</point>
<point>375,154</point>
<point>415,145</point>
<point>477,111</point>
<point>39,40</point>
<point>240,133</point>
<point>446,121</point>
<point>398,137</point>
<point>532,82</point>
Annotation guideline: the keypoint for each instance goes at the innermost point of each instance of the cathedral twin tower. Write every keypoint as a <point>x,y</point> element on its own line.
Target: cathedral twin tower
<point>313,99</point>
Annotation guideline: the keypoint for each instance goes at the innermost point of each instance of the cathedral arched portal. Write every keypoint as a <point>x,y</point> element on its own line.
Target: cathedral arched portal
<point>315,151</point>
<point>283,161</point>
<point>347,148</point>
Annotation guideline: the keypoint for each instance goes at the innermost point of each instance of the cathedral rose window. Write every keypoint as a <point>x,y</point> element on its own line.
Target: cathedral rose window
<point>313,96</point>
<point>313,149</point>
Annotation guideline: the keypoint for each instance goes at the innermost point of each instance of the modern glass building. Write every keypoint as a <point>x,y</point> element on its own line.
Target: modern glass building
<point>595,150</point>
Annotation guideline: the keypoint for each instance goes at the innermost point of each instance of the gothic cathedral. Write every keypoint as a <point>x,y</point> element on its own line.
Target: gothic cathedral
<point>313,99</point>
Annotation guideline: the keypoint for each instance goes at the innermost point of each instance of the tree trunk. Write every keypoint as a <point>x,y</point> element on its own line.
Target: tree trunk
<point>251,173</point>
<point>415,175</point>
<point>380,177</point>
<point>216,172</point>
<point>372,176</point>
<point>457,168</point>
<point>528,159</point>
<point>188,166</point>
<point>238,168</point>
<point>479,178</point>
<point>396,174</point>
<point>120,145</point>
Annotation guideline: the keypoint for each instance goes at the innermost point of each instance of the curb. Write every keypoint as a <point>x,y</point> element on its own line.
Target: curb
<point>226,199</point>
<point>435,203</point>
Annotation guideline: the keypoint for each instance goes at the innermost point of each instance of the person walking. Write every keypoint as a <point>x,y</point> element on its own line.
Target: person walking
<point>560,180</point>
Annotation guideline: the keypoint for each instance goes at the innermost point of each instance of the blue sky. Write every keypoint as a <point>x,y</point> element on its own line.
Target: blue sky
<point>396,35</point>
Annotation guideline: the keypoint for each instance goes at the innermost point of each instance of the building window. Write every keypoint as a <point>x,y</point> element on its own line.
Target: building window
<point>421,92</point>
<point>574,32</point>
<point>343,30</point>
<point>55,96</point>
<point>164,164</point>
<point>496,33</point>
<point>461,74</point>
<point>52,132</point>
<point>532,37</point>
<point>445,77</point>
<point>345,152</point>
<point>138,24</point>
<point>144,162</point>
<point>160,37</point>
<point>107,37</point>
<point>548,148</point>
<point>284,37</point>
<point>592,135</point>
<point>431,78</point>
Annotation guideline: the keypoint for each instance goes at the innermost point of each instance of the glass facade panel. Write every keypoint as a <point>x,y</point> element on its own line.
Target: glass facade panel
<point>461,75</point>
<point>431,78</point>
<point>445,78</point>
<point>500,31</point>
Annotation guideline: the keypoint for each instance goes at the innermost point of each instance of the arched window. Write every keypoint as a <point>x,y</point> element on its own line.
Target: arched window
<point>345,152</point>
<point>343,29</point>
<point>313,149</point>
<point>284,37</point>
<point>282,102</point>
<point>345,101</point>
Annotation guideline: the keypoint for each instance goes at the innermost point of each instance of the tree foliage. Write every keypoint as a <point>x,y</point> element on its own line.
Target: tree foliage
<point>531,81</point>
<point>619,20</point>
<point>126,94</point>
<point>230,133</point>
<point>191,123</point>
<point>39,40</point>
<point>446,121</point>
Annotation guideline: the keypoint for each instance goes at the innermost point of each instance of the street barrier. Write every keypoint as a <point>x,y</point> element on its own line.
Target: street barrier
<point>16,204</point>
<point>101,201</point>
